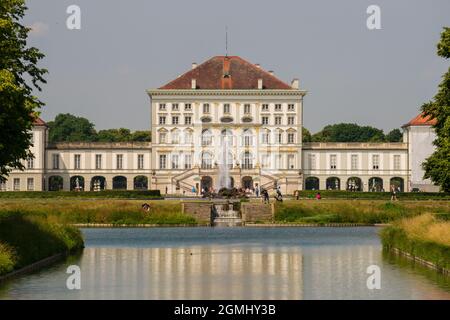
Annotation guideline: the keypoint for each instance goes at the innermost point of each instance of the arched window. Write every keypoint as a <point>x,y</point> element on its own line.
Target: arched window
<point>247,138</point>
<point>206,137</point>
<point>227,137</point>
<point>206,160</point>
<point>247,160</point>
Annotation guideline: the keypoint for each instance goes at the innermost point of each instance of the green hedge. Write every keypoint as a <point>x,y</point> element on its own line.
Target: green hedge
<point>25,240</point>
<point>396,237</point>
<point>118,194</point>
<point>338,194</point>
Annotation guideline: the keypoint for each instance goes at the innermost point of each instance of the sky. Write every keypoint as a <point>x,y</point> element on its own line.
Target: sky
<point>352,74</point>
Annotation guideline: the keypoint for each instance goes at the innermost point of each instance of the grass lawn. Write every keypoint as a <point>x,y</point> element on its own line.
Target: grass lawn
<point>354,211</point>
<point>113,211</point>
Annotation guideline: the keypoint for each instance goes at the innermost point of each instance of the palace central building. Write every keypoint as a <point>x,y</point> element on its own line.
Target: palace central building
<point>227,122</point>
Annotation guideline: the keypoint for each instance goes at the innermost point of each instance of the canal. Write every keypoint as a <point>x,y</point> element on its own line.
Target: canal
<point>231,263</point>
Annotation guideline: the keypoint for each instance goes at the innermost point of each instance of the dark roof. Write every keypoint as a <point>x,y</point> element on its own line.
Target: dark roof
<point>39,122</point>
<point>226,72</point>
<point>421,120</point>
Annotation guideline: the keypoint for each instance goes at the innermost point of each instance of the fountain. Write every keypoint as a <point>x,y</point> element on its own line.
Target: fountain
<point>226,213</point>
<point>224,180</point>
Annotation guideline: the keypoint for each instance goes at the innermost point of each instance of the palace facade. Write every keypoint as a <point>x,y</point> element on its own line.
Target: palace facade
<point>227,122</point>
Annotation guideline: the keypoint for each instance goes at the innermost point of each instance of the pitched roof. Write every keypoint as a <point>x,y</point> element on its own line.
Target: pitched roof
<point>39,122</point>
<point>226,72</point>
<point>421,120</point>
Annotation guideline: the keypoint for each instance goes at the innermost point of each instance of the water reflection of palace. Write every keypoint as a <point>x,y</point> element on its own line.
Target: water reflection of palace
<point>212,272</point>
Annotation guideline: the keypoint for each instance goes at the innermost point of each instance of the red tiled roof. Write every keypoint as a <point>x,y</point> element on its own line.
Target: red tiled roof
<point>226,72</point>
<point>421,120</point>
<point>39,122</point>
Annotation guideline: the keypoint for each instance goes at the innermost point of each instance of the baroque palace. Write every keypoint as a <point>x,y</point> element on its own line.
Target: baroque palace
<point>227,122</point>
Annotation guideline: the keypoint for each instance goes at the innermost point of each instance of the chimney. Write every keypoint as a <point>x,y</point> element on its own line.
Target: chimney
<point>193,84</point>
<point>295,84</point>
<point>257,65</point>
<point>260,83</point>
<point>194,65</point>
<point>271,72</point>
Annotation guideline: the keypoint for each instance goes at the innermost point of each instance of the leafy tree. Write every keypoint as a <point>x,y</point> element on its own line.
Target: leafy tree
<point>306,135</point>
<point>141,136</point>
<point>394,135</point>
<point>69,128</point>
<point>437,166</point>
<point>348,132</point>
<point>19,74</point>
<point>114,135</point>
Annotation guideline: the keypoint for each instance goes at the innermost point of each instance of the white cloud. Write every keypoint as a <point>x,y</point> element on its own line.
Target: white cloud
<point>39,29</point>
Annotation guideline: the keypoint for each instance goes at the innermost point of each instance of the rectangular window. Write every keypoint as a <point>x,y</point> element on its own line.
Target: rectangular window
<point>187,120</point>
<point>278,159</point>
<point>2,186</point>
<point>312,161</point>
<point>162,120</point>
<point>291,120</point>
<point>98,161</point>
<point>206,108</point>
<point>175,120</point>
<point>265,161</point>
<point>187,161</point>
<point>291,137</point>
<point>265,107</point>
<point>174,161</point>
<point>16,184</point>
<point>277,107</point>
<point>119,161</point>
<point>397,162</point>
<point>162,161</point>
<point>162,106</point>
<point>174,106</point>
<point>226,108</point>
<point>333,161</point>
<point>277,120</point>
<point>187,107</point>
<point>375,162</point>
<point>265,138</point>
<point>30,163</point>
<point>265,120</point>
<point>140,161</point>
<point>354,162</point>
<point>55,158</point>
<point>291,107</point>
<point>247,108</point>
<point>32,138</point>
<point>77,161</point>
<point>188,137</point>
<point>162,137</point>
<point>290,161</point>
<point>30,184</point>
<point>279,136</point>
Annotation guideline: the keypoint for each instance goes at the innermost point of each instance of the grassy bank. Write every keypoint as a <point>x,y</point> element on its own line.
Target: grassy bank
<point>100,211</point>
<point>25,240</point>
<point>354,211</point>
<point>426,237</point>
<point>105,194</point>
<point>337,194</point>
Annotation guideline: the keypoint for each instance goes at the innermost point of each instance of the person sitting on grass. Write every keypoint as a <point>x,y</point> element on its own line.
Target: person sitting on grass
<point>318,196</point>
<point>145,207</point>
